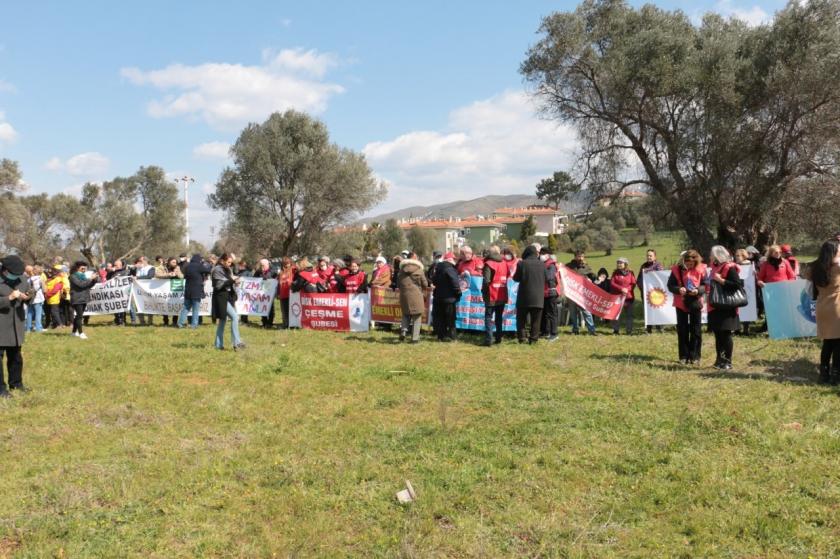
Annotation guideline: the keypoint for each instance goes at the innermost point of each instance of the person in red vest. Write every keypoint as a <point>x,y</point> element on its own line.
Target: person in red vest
<point>775,267</point>
<point>510,260</point>
<point>354,281</point>
<point>307,279</point>
<point>623,281</point>
<point>495,294</point>
<point>469,263</point>
<point>548,327</point>
<point>686,282</point>
<point>787,254</point>
<point>723,322</point>
<point>325,269</point>
<point>285,277</point>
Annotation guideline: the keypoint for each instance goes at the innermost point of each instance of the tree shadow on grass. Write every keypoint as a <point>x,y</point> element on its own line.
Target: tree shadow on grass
<point>625,357</point>
<point>798,371</point>
<point>191,345</point>
<point>374,339</point>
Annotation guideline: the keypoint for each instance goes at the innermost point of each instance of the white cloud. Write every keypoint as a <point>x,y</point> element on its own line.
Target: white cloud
<point>89,164</point>
<point>8,134</point>
<point>212,150</point>
<point>6,87</point>
<point>495,146</point>
<point>229,95</point>
<point>752,16</point>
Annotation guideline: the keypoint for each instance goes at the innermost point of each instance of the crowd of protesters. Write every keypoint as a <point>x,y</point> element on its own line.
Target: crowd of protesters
<point>37,297</point>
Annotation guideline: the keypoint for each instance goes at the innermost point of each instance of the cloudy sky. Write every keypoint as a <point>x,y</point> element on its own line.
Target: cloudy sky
<point>429,91</point>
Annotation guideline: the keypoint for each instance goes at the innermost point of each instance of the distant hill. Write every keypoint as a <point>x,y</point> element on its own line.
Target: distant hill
<point>464,208</point>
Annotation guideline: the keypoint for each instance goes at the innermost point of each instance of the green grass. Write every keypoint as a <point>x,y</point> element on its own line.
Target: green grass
<point>145,442</point>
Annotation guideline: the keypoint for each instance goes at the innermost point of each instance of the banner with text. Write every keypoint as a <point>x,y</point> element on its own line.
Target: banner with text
<point>587,295</point>
<point>166,296</point>
<point>385,305</point>
<point>255,296</point>
<point>469,310</point>
<point>111,297</point>
<point>659,302</point>
<point>791,313</point>
<point>341,312</point>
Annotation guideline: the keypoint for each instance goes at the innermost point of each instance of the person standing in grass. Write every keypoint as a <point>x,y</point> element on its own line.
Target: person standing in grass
<point>444,298</point>
<point>495,294</point>
<point>824,274</point>
<point>686,282</point>
<point>285,277</point>
<point>224,300</point>
<point>194,274</point>
<point>412,284</point>
<point>651,264</point>
<point>723,322</point>
<point>576,313</point>
<point>14,292</point>
<point>531,275</point>
<point>52,295</point>
<point>623,282</point>
<point>548,322</point>
<point>35,306</point>
<point>80,286</point>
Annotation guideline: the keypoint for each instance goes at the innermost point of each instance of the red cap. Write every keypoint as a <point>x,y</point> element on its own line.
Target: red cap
<point>786,248</point>
<point>449,256</point>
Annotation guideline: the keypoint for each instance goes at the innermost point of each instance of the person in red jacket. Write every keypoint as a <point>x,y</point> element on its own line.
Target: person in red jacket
<point>623,281</point>
<point>495,294</point>
<point>687,283</point>
<point>510,259</point>
<point>354,281</point>
<point>469,263</point>
<point>787,254</point>
<point>285,277</point>
<point>775,268</point>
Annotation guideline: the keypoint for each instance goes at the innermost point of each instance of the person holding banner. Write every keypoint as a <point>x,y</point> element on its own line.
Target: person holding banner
<point>686,282</point>
<point>194,274</point>
<point>307,279</point>
<point>623,282</point>
<point>284,288</point>
<point>80,285</point>
<point>548,323</point>
<point>495,294</point>
<point>775,268</point>
<point>168,269</point>
<point>446,294</point>
<point>412,284</point>
<point>531,275</point>
<point>651,264</point>
<point>824,274</point>
<point>787,254</point>
<point>224,301</point>
<point>354,281</point>
<point>579,266</point>
<point>469,263</point>
<point>724,321</point>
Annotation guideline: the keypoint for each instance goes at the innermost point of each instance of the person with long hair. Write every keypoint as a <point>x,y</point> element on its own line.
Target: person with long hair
<point>824,274</point>
<point>80,285</point>
<point>723,322</point>
<point>623,281</point>
<point>686,284</point>
<point>285,277</point>
<point>224,299</point>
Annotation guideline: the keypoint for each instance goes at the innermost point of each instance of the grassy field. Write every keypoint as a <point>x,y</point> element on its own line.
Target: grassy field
<point>145,442</point>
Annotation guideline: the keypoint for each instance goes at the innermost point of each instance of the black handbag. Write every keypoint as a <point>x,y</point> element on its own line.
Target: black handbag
<point>724,298</point>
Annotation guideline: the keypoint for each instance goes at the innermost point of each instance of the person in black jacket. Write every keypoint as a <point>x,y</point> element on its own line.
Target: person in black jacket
<point>194,274</point>
<point>80,286</point>
<point>447,292</point>
<point>14,292</point>
<point>224,301</point>
<point>548,326</point>
<point>531,275</point>
<point>723,322</point>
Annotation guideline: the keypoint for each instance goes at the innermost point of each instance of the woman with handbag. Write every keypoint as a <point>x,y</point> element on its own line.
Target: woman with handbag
<point>224,301</point>
<point>686,284</point>
<point>726,294</point>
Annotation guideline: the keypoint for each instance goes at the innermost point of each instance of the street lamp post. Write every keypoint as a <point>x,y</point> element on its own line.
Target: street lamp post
<point>186,180</point>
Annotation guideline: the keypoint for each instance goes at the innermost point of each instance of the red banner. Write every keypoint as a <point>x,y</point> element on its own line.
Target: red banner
<point>587,295</point>
<point>385,305</point>
<point>340,312</point>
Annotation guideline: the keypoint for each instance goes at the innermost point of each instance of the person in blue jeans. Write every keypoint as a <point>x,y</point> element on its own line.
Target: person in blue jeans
<point>224,298</point>
<point>35,306</point>
<point>194,273</point>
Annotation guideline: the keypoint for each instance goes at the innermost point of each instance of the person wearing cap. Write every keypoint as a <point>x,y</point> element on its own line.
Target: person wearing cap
<point>412,285</point>
<point>787,254</point>
<point>495,294</point>
<point>469,263</point>
<point>14,292</point>
<point>579,266</point>
<point>530,298</point>
<point>444,298</point>
<point>548,326</point>
<point>623,282</point>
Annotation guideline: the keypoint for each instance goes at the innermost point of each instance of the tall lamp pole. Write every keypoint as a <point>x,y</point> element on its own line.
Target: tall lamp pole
<point>186,180</point>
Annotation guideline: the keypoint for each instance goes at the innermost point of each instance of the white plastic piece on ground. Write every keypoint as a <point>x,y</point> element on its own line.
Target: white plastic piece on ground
<point>407,495</point>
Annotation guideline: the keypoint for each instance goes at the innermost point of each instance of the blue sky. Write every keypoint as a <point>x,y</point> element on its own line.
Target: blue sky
<point>429,91</point>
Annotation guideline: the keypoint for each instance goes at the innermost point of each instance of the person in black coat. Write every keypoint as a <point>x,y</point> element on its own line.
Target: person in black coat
<point>224,301</point>
<point>531,275</point>
<point>446,294</point>
<point>14,292</point>
<point>723,322</point>
<point>194,274</point>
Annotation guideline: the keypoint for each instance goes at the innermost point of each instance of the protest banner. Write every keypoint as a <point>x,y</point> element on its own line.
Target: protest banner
<point>340,312</point>
<point>659,302</point>
<point>385,305</point>
<point>255,296</point>
<point>585,294</point>
<point>791,313</point>
<point>469,311</point>
<point>166,296</point>
<point>111,297</point>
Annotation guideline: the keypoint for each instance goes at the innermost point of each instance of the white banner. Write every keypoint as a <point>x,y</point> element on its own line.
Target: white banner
<point>659,302</point>
<point>255,296</point>
<point>111,297</point>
